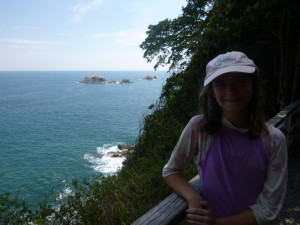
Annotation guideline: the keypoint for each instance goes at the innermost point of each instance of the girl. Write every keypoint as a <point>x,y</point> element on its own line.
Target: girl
<point>241,160</point>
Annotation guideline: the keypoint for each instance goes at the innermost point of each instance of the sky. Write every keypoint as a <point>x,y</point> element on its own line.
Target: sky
<point>39,35</point>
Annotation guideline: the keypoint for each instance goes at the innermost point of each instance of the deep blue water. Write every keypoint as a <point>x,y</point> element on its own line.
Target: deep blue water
<point>54,130</point>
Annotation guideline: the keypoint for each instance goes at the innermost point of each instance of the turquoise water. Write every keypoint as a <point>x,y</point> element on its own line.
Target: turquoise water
<point>54,130</point>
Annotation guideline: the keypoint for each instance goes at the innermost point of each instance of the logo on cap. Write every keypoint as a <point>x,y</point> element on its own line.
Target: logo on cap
<point>223,59</point>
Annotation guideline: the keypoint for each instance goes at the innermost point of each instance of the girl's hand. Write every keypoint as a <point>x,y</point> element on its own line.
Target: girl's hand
<point>200,215</point>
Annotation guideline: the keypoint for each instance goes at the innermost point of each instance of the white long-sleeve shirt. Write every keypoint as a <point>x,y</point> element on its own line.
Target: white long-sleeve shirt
<point>269,167</point>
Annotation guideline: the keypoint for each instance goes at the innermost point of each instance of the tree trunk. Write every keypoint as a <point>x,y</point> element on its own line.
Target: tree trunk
<point>296,71</point>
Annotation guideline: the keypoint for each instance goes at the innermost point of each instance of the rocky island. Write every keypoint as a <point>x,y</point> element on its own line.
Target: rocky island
<point>150,77</point>
<point>89,79</point>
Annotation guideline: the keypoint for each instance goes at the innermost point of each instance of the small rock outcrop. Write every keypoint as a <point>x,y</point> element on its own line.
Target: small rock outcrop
<point>124,151</point>
<point>122,147</point>
<point>90,79</point>
<point>150,77</point>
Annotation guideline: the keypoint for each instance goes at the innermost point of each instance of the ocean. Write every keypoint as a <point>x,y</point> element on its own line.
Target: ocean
<point>54,129</point>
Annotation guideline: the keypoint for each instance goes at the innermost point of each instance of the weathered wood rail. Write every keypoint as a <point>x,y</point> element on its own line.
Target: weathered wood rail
<point>288,121</point>
<point>171,211</point>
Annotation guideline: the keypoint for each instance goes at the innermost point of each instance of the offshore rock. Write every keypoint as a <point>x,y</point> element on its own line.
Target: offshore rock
<point>122,147</point>
<point>126,81</point>
<point>125,150</point>
<point>149,77</point>
<point>94,79</point>
<point>122,153</point>
<point>91,79</point>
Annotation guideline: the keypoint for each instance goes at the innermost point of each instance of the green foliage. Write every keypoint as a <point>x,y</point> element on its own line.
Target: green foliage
<point>13,211</point>
<point>123,213</point>
<point>173,41</point>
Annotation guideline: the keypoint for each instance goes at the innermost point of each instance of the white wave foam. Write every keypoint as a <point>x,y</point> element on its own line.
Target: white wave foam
<point>64,194</point>
<point>102,161</point>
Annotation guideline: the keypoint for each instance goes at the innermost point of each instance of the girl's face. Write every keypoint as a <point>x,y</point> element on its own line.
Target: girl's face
<point>233,92</point>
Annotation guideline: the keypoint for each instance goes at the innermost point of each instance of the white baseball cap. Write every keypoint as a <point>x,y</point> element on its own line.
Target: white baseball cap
<point>228,62</point>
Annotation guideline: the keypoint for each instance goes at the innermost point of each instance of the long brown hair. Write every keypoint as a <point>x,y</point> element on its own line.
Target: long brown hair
<point>213,112</point>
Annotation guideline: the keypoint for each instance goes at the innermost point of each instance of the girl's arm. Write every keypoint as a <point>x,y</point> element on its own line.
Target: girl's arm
<point>186,148</point>
<point>182,187</point>
<point>269,202</point>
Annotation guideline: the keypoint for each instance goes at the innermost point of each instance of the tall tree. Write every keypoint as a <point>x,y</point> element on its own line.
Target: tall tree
<point>266,30</point>
<point>173,42</point>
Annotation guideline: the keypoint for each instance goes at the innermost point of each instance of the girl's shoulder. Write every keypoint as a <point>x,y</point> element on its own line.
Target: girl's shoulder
<point>274,140</point>
<point>195,122</point>
<point>274,133</point>
<point>196,119</point>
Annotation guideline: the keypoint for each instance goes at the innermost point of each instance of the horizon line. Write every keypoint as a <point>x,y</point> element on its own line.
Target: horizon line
<point>75,70</point>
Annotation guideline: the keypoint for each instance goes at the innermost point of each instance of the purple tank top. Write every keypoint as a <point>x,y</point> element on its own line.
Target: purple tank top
<point>233,172</point>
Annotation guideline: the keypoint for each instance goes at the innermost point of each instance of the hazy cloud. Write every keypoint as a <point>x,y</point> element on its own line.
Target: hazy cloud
<point>82,9</point>
<point>66,34</point>
<point>25,27</point>
<point>23,41</point>
<point>132,37</point>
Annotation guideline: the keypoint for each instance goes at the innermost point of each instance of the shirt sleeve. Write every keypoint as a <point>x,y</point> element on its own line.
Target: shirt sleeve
<point>270,201</point>
<point>185,149</point>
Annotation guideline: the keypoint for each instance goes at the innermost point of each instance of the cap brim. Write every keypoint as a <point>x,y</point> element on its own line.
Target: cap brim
<point>229,69</point>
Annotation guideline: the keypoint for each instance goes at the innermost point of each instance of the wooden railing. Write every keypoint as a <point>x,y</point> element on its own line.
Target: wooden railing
<point>288,121</point>
<point>171,211</point>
